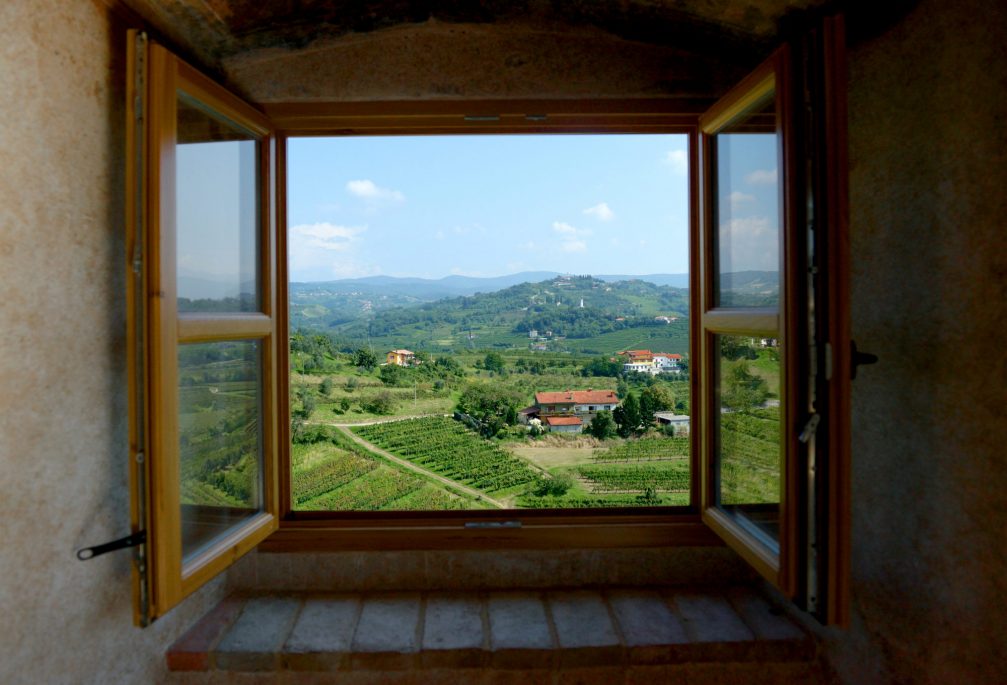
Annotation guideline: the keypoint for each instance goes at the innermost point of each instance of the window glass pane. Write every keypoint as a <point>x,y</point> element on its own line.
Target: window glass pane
<point>220,438</point>
<point>748,210</point>
<point>217,213</point>
<point>748,458</point>
<point>489,322</point>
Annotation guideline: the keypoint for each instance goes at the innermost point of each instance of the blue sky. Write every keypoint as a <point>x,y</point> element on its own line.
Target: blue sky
<point>477,205</point>
<point>487,205</point>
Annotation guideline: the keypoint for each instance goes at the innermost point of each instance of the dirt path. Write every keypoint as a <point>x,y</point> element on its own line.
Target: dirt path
<point>413,467</point>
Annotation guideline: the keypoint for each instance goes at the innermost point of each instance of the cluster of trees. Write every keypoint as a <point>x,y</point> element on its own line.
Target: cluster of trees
<point>634,415</point>
<point>492,405</point>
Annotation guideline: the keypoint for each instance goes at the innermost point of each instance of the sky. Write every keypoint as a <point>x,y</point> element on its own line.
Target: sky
<point>431,207</point>
<point>434,206</point>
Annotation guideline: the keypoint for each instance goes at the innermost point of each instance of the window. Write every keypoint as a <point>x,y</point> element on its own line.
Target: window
<point>769,445</point>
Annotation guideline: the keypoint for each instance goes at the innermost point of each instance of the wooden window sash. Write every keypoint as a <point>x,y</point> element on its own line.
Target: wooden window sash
<point>167,578</point>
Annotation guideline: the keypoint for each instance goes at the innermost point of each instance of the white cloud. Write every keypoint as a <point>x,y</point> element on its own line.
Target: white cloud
<point>762,177</point>
<point>439,235</point>
<point>738,198</point>
<point>368,190</point>
<point>566,229</point>
<point>752,242</point>
<point>678,160</point>
<point>325,236</point>
<point>571,236</point>
<point>458,271</point>
<point>530,245</point>
<point>324,251</point>
<point>601,212</point>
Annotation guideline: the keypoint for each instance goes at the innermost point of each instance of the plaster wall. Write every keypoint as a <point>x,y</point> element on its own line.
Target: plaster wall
<point>927,140</point>
<point>928,134</point>
<point>63,436</point>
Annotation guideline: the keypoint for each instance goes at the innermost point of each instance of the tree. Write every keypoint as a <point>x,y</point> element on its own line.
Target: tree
<point>494,362</point>
<point>382,403</point>
<point>653,399</point>
<point>344,404</point>
<point>601,366</point>
<point>602,426</point>
<point>391,374</point>
<point>326,386</point>
<point>740,389</point>
<point>627,416</point>
<point>365,359</point>
<point>495,407</point>
<point>557,486</point>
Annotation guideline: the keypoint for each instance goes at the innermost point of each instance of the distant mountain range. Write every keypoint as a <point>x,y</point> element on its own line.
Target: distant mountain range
<point>452,286</point>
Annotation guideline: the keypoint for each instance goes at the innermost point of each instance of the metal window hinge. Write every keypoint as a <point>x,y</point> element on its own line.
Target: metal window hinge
<point>809,428</point>
<point>122,543</point>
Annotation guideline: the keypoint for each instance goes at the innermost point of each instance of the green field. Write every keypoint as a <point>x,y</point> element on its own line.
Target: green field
<point>449,449</point>
<point>335,474</point>
<point>750,457</point>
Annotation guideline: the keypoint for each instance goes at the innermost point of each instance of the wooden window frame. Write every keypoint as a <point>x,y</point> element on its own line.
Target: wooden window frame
<point>539,529</point>
<point>777,566</point>
<point>158,572</point>
<point>160,330</point>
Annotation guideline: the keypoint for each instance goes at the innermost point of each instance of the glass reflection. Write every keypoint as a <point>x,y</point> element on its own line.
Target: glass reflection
<point>748,210</point>
<point>217,213</point>
<point>748,453</point>
<point>220,438</point>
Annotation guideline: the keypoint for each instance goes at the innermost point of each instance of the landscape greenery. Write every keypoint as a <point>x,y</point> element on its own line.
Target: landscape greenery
<point>444,432</point>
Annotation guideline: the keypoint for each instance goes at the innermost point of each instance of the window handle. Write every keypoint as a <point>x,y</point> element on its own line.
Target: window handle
<point>122,543</point>
<point>858,358</point>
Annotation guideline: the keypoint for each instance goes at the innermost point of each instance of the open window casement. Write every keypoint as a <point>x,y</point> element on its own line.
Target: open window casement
<point>207,353</point>
<point>772,209</point>
<point>202,315</point>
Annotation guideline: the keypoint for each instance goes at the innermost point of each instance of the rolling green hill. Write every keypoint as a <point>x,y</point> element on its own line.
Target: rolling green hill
<point>566,313</point>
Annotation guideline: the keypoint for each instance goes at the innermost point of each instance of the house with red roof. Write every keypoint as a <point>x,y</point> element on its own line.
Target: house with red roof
<point>568,411</point>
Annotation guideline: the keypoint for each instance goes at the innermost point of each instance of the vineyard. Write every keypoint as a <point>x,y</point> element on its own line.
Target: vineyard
<point>447,448</point>
<point>647,449</point>
<point>661,499</point>
<point>750,457</point>
<point>335,474</point>
<point>666,477</point>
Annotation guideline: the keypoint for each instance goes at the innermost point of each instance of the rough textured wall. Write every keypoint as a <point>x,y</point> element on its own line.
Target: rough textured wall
<point>434,60</point>
<point>928,134</point>
<point>63,439</point>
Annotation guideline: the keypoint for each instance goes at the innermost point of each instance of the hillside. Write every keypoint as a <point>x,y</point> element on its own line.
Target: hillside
<point>563,313</point>
<point>583,314</point>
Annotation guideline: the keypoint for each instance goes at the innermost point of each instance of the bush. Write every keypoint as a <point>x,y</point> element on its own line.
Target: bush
<point>557,486</point>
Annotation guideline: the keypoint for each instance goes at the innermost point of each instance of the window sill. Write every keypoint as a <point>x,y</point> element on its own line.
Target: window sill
<point>545,532</point>
<point>412,636</point>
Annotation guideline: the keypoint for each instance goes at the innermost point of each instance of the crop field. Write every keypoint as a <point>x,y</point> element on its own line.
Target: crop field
<point>647,449</point>
<point>672,476</point>
<point>447,448</point>
<point>335,474</point>
<point>750,457</point>
<point>218,425</point>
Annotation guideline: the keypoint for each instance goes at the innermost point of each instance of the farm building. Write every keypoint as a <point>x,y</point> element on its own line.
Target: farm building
<point>402,358</point>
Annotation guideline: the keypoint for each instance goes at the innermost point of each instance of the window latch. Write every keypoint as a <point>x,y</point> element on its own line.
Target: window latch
<point>809,428</point>
<point>122,543</point>
<point>492,525</point>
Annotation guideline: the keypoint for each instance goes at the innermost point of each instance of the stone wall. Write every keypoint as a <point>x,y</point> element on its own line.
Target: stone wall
<point>928,134</point>
<point>63,433</point>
